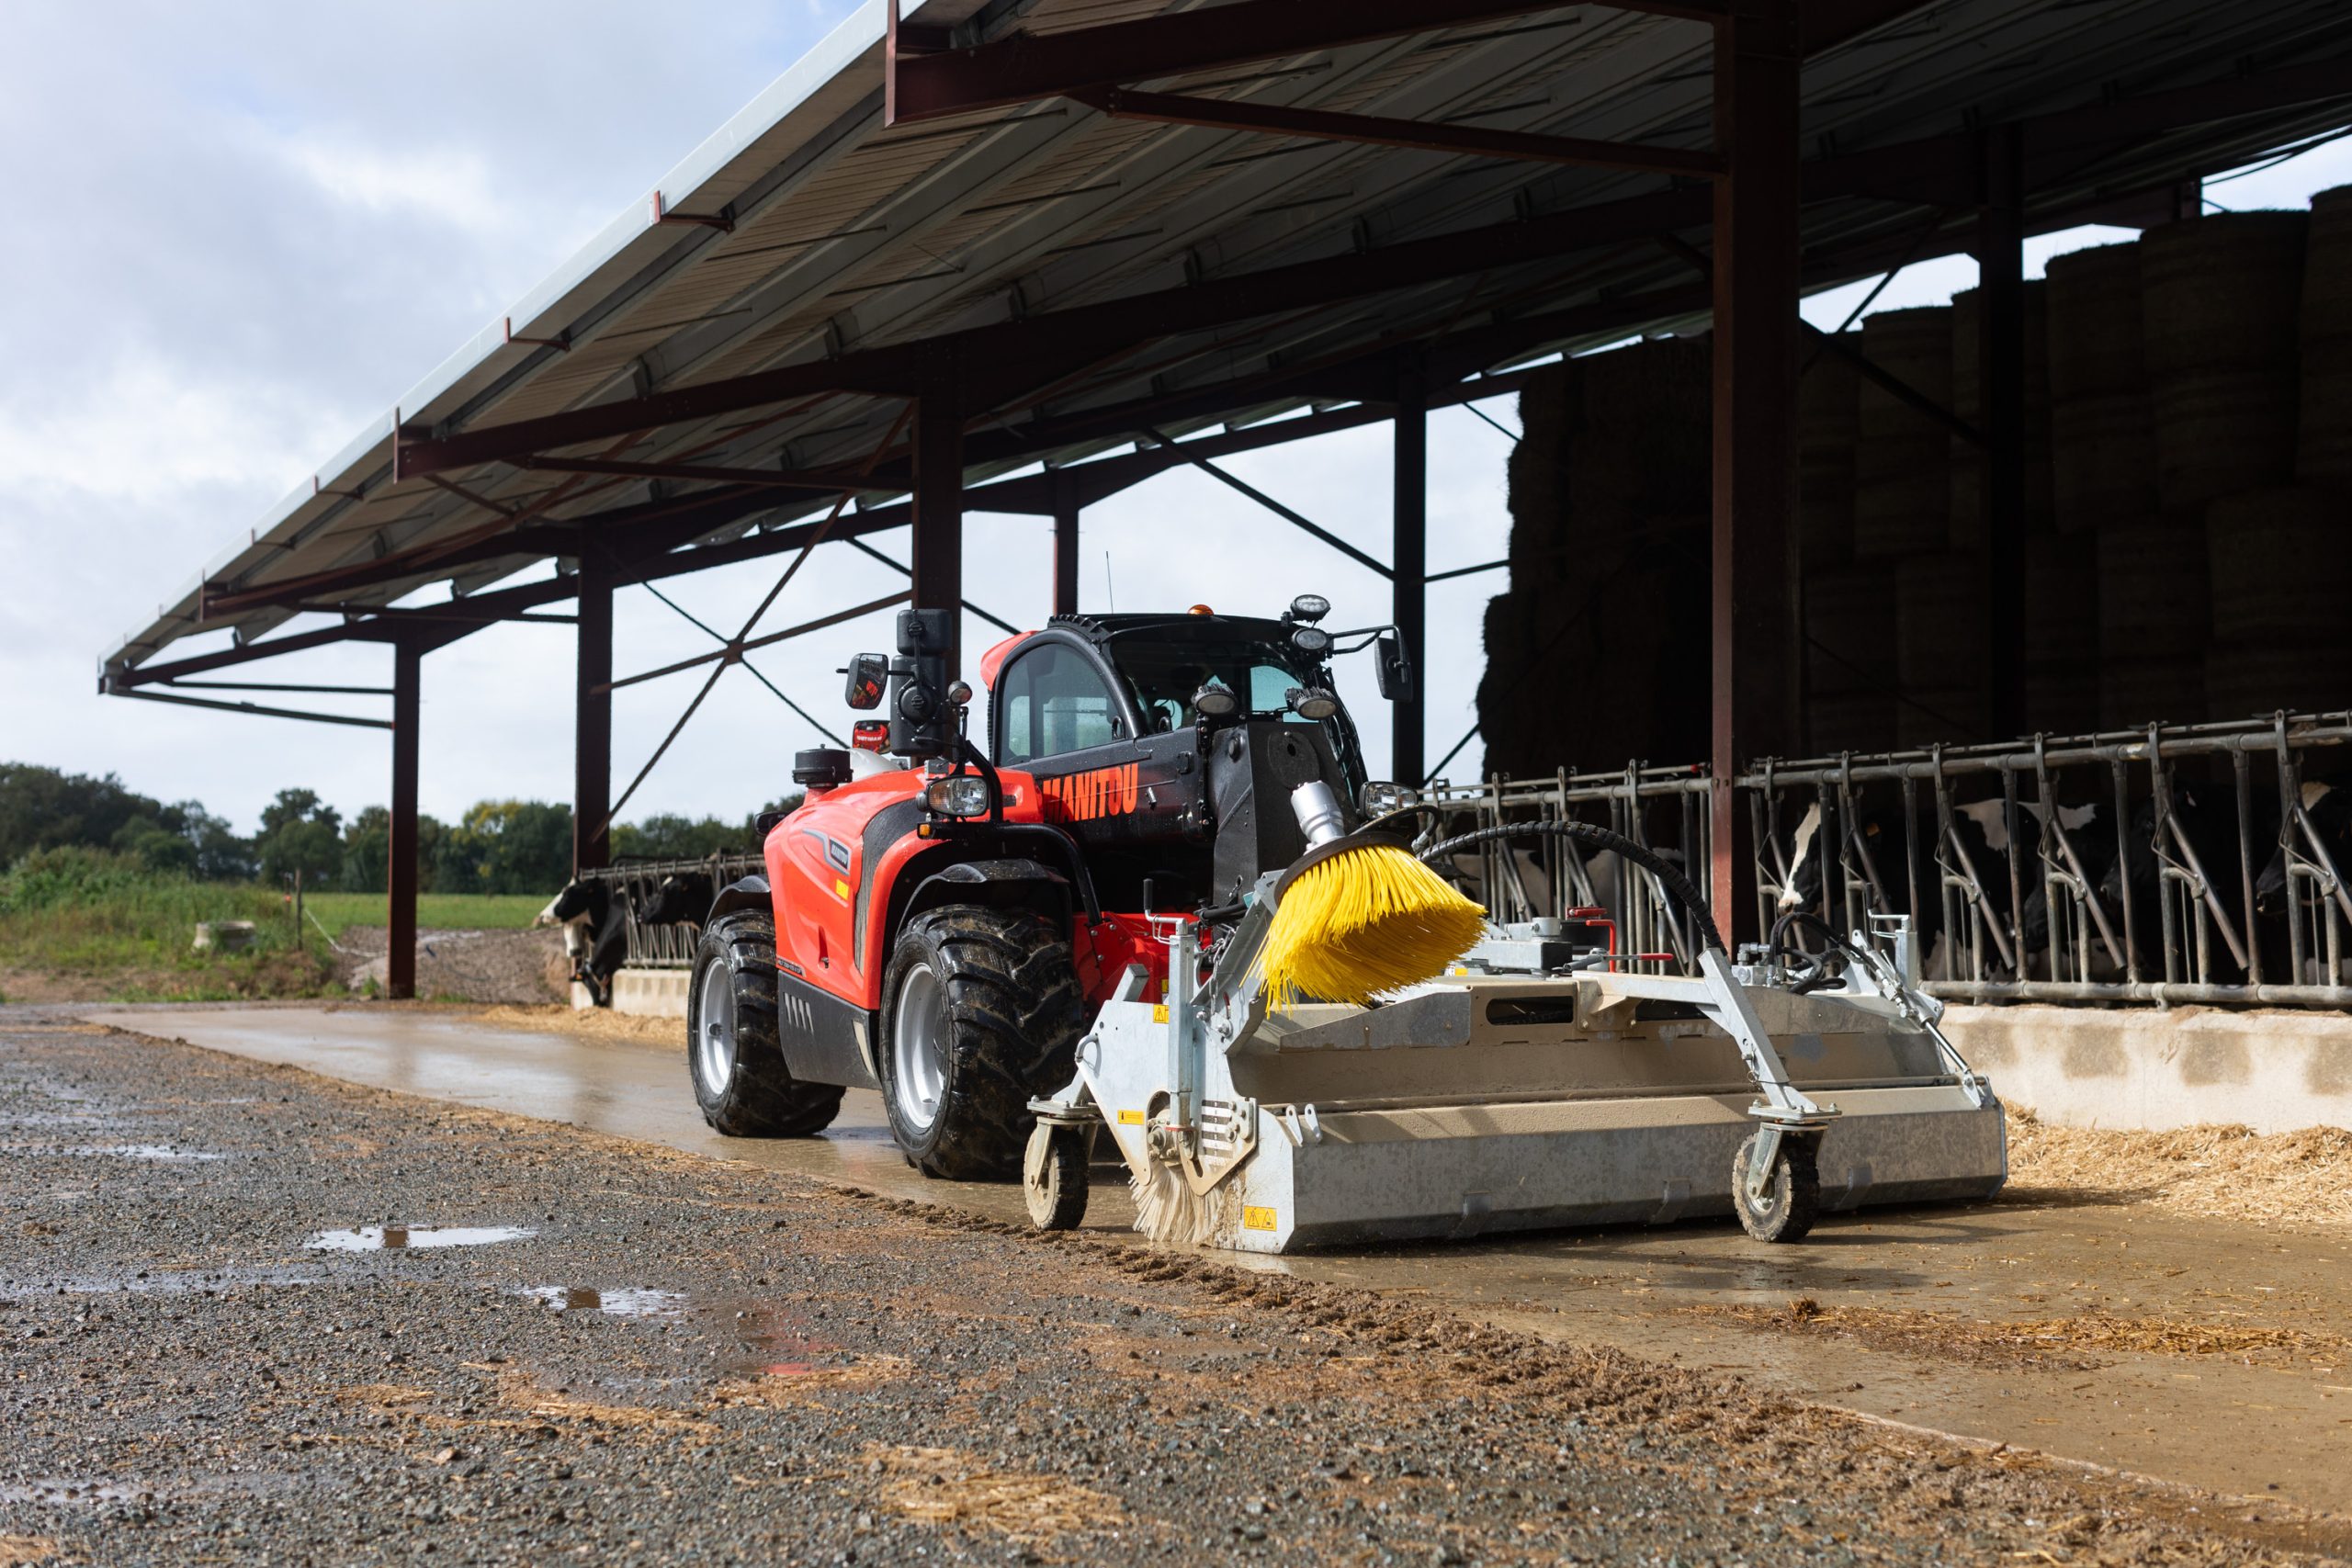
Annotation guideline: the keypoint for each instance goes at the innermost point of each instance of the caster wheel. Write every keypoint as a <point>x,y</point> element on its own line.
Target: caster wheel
<point>1053,1176</point>
<point>1791,1201</point>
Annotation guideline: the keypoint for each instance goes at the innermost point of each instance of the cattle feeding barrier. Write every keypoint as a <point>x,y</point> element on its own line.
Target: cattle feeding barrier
<point>2169,865</point>
<point>2159,866</point>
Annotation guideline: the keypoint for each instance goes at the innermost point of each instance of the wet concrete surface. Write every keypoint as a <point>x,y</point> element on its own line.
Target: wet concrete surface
<point>2274,1422</point>
<point>836,1378</point>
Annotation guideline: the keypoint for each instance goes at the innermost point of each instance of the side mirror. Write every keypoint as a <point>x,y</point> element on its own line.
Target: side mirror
<point>869,675</point>
<point>1393,668</point>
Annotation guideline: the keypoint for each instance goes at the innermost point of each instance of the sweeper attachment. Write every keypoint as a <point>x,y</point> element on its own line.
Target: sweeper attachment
<point>1536,1082</point>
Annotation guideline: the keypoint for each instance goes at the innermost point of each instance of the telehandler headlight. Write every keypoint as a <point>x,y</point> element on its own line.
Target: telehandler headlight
<point>1381,798</point>
<point>1216,700</point>
<point>1313,703</point>
<point>963,795</point>
<point>1309,607</point>
<point>1312,641</point>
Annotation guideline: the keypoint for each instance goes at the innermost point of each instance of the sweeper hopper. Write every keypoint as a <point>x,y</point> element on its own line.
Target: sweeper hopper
<point>1536,1083</point>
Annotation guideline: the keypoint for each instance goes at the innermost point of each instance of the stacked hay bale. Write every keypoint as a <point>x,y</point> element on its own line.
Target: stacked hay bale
<point>1849,608</point>
<point>2103,447</point>
<point>1942,650</point>
<point>2062,631</point>
<point>1599,653</point>
<point>1850,632</point>
<point>1903,459</point>
<point>2280,568</point>
<point>1902,549</point>
<point>1829,423</point>
<point>2221,297</point>
<point>2323,451</point>
<point>1968,402</point>
<point>2280,559</point>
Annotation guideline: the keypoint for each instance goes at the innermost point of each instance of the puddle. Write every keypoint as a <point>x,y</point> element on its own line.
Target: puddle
<point>393,1238</point>
<point>159,1153</point>
<point>770,1341</point>
<point>613,1303</point>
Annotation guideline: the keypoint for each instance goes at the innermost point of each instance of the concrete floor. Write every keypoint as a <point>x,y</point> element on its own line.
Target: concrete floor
<point>2266,1426</point>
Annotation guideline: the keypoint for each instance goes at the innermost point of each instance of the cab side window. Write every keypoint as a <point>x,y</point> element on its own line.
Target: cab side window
<point>1053,701</point>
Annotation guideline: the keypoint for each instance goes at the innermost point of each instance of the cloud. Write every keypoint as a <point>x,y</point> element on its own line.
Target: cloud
<point>447,185</point>
<point>145,431</point>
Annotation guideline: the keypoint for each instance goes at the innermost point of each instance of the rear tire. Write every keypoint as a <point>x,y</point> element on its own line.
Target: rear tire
<point>741,1081</point>
<point>980,1013</point>
<point>1791,1200</point>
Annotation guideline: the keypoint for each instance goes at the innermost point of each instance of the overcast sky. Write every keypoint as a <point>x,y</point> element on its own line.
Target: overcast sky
<point>239,232</point>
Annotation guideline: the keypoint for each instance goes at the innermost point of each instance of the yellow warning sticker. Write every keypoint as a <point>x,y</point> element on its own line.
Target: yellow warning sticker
<point>1160,1012</point>
<point>1257,1219</point>
<point>1130,1118</point>
<point>841,888</point>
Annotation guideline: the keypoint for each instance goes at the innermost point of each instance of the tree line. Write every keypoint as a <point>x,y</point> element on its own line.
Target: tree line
<point>498,846</point>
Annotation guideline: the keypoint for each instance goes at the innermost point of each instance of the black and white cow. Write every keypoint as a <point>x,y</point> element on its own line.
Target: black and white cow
<point>1981,827</point>
<point>595,933</point>
<point>681,898</point>
<point>2330,810</point>
<point>2212,833</point>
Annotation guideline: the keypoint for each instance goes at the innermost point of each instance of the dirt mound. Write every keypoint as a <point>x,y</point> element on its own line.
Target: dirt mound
<point>2301,1180</point>
<point>600,1024</point>
<point>525,966</point>
<point>2057,1342</point>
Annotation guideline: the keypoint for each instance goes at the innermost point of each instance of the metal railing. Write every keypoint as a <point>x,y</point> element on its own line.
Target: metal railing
<point>2169,865</point>
<point>2159,866</point>
<point>666,944</point>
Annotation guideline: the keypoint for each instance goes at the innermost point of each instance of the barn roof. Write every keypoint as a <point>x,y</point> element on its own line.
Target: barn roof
<point>1195,275</point>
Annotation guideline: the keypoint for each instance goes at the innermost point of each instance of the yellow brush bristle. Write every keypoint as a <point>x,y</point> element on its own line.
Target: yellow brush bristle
<point>1367,920</point>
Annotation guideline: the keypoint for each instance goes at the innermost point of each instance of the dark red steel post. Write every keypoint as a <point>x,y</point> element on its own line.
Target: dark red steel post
<point>1065,548</point>
<point>1753,603</point>
<point>400,875</point>
<point>1409,560</point>
<point>2000,349</point>
<point>938,499</point>
<point>592,752</point>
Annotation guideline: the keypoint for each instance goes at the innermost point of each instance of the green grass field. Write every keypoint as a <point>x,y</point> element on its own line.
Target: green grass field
<point>84,925</point>
<point>434,911</point>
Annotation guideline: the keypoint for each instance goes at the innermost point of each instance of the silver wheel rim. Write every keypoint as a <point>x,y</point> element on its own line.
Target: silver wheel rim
<point>715,1042</point>
<point>919,1048</point>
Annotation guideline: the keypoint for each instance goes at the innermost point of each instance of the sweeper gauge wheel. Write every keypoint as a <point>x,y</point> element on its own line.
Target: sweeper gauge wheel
<point>1791,1201</point>
<point>1053,1176</point>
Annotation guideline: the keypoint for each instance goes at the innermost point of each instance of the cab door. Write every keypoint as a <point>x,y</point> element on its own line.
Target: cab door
<point>1059,716</point>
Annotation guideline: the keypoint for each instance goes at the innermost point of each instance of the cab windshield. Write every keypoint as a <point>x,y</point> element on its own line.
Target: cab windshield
<point>1163,676</point>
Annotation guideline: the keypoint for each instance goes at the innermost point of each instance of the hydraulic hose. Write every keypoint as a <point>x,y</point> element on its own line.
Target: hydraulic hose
<point>1677,886</point>
<point>1821,971</point>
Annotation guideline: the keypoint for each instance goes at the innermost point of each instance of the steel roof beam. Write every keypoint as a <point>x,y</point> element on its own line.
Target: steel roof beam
<point>816,482</point>
<point>1029,353</point>
<point>1008,358</point>
<point>1277,119</point>
<point>1029,66</point>
<point>255,708</point>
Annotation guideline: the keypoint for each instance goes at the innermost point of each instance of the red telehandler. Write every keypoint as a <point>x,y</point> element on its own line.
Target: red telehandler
<point>1056,930</point>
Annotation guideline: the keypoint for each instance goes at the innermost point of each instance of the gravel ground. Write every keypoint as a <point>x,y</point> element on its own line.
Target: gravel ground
<point>660,1359</point>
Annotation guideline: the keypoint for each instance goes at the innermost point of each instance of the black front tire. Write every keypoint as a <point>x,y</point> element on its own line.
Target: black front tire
<point>1791,1198</point>
<point>981,1012</point>
<point>1054,1174</point>
<point>741,1081</point>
